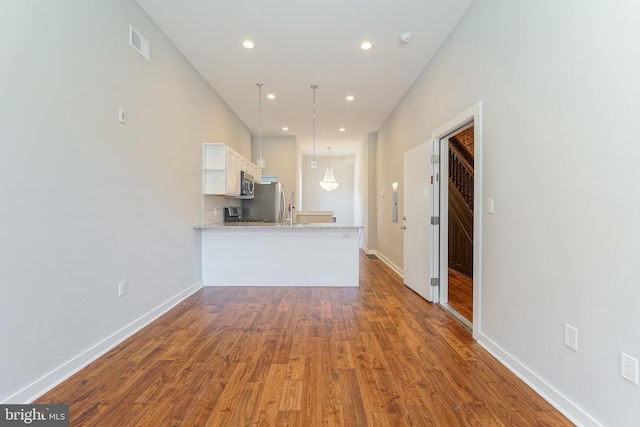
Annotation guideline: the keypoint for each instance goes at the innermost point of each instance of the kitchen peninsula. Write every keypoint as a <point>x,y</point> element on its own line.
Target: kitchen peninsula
<point>279,254</point>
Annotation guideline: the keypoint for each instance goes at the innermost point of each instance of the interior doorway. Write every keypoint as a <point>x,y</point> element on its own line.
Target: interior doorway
<point>460,217</point>
<point>458,148</point>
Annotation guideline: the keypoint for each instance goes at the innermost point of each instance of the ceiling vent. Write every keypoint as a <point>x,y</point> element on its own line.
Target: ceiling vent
<point>139,43</point>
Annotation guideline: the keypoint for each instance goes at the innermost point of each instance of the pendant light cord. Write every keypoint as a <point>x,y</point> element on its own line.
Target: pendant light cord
<point>313,131</point>
<point>260,85</point>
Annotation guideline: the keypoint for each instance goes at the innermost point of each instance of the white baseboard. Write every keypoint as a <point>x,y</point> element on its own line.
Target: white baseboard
<point>570,410</point>
<point>67,369</point>
<point>390,264</point>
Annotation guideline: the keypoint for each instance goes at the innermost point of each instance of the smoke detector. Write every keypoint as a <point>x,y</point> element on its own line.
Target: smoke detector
<point>405,38</point>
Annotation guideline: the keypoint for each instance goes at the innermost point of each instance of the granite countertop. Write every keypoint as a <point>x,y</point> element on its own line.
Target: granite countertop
<point>276,225</point>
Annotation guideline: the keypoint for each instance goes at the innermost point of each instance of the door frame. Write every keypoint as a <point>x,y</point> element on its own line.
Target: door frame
<point>443,249</point>
<point>442,134</point>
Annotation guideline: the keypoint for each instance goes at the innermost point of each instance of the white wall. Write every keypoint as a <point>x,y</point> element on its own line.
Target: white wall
<point>340,200</point>
<point>365,191</point>
<point>280,157</point>
<point>559,86</point>
<point>388,167</point>
<point>88,202</point>
<point>284,159</point>
<point>360,195</point>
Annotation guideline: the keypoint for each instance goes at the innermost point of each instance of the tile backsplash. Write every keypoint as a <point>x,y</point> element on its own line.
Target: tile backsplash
<point>213,208</point>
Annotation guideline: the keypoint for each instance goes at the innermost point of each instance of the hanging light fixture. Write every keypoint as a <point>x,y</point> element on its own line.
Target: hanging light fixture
<point>260,159</point>
<point>314,161</point>
<point>329,182</point>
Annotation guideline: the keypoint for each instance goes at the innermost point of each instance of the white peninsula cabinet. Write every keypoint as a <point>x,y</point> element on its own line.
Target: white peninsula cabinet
<point>279,254</point>
<point>221,166</point>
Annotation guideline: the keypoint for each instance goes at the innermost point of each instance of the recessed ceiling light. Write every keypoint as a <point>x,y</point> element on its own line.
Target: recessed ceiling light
<point>342,129</point>
<point>350,98</point>
<point>271,96</point>
<point>285,128</point>
<point>248,44</point>
<point>366,45</point>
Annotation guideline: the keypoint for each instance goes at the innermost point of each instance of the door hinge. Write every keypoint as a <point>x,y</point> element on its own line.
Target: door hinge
<point>435,220</point>
<point>435,158</point>
<point>435,281</point>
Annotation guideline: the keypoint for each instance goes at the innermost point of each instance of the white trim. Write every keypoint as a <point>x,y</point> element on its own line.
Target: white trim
<point>48,381</point>
<point>387,261</point>
<point>474,113</point>
<point>391,265</point>
<point>559,401</point>
<point>443,206</point>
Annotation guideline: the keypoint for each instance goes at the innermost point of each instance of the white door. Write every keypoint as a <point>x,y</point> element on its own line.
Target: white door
<point>421,238</point>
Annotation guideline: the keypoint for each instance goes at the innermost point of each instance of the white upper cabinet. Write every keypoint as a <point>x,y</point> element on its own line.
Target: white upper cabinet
<point>221,166</point>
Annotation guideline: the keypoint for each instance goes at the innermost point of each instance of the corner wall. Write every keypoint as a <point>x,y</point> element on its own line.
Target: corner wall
<point>366,211</point>
<point>87,201</point>
<point>558,84</point>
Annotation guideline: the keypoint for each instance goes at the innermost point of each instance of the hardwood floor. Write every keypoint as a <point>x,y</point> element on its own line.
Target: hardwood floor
<point>461,294</point>
<point>377,355</point>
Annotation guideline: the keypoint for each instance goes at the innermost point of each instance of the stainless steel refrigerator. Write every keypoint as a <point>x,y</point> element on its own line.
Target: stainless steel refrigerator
<point>268,203</point>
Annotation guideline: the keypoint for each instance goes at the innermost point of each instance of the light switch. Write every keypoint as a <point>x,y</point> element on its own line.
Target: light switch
<point>490,206</point>
<point>122,115</point>
<point>571,337</point>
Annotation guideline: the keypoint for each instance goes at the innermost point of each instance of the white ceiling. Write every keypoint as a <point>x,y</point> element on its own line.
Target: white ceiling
<point>300,43</point>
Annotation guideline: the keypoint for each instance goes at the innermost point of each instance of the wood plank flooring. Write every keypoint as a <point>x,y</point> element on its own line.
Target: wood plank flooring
<point>377,355</point>
<point>461,294</point>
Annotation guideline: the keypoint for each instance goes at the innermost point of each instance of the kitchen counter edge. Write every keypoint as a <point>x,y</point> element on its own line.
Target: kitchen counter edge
<point>274,225</point>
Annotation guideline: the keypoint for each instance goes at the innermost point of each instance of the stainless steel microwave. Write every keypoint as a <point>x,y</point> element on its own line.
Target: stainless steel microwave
<point>247,185</point>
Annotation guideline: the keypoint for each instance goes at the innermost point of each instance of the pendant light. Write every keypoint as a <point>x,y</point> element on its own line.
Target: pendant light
<point>314,161</point>
<point>329,182</point>
<point>260,159</point>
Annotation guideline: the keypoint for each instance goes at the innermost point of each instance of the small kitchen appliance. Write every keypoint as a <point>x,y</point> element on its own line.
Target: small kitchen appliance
<point>232,214</point>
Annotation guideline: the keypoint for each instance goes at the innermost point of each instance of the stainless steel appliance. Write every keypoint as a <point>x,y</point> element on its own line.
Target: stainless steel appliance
<point>247,186</point>
<point>233,214</point>
<point>268,203</point>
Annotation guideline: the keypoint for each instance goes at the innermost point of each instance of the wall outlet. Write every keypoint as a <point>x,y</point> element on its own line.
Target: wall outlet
<point>122,288</point>
<point>629,368</point>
